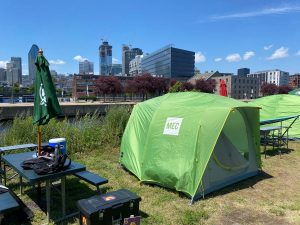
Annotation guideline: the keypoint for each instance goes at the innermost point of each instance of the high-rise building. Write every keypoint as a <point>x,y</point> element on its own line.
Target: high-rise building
<point>135,66</point>
<point>243,71</point>
<point>12,74</point>
<point>295,80</point>
<point>2,74</point>
<point>32,54</point>
<point>17,61</point>
<point>86,67</point>
<point>105,58</point>
<point>170,62</point>
<point>277,77</point>
<point>128,54</point>
<point>116,69</point>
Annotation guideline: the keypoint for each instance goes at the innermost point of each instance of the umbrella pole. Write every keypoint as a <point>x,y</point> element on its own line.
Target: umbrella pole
<point>39,141</point>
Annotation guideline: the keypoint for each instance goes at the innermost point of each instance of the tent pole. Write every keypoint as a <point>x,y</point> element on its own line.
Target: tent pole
<point>39,141</point>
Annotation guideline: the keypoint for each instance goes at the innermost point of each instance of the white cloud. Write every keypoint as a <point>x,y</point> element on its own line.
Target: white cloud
<point>298,53</point>
<point>115,61</point>
<point>218,59</point>
<point>248,55</point>
<point>233,57</point>
<point>199,57</point>
<point>3,64</point>
<point>57,62</point>
<point>279,53</point>
<point>25,72</point>
<point>79,58</point>
<point>261,12</point>
<point>268,47</point>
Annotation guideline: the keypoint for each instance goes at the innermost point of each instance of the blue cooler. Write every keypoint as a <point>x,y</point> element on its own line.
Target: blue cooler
<point>61,142</point>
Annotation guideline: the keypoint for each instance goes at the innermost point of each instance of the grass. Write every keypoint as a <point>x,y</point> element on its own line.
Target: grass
<point>270,198</point>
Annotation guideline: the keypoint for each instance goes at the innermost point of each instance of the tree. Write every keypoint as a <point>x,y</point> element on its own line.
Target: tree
<point>284,89</point>
<point>108,85</point>
<point>187,86</point>
<point>30,89</point>
<point>269,89</point>
<point>16,88</point>
<point>206,86</point>
<point>144,85</point>
<point>160,85</point>
<point>176,87</point>
<point>130,88</point>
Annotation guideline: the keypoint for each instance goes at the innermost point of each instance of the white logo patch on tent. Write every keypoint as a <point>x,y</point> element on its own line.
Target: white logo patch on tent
<point>172,126</point>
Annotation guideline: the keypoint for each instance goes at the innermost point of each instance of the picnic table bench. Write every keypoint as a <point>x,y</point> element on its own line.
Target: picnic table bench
<point>7,203</point>
<point>92,178</point>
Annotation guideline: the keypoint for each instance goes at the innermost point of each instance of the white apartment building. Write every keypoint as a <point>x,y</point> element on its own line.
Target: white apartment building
<point>277,77</point>
<point>135,67</point>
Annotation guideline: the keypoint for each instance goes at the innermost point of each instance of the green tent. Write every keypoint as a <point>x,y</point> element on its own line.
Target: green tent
<point>192,142</point>
<point>295,92</point>
<point>277,106</point>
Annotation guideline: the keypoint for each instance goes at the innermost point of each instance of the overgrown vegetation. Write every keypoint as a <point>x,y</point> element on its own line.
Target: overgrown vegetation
<point>83,134</point>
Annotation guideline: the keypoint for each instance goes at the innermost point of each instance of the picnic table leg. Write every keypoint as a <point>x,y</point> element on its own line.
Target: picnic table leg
<point>273,140</point>
<point>265,147</point>
<point>21,185</point>
<point>4,174</point>
<point>1,175</point>
<point>39,193</point>
<point>287,139</point>
<point>48,199</point>
<point>63,195</point>
<point>279,143</point>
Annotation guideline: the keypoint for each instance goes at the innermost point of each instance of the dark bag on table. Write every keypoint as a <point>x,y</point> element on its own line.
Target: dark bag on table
<point>47,165</point>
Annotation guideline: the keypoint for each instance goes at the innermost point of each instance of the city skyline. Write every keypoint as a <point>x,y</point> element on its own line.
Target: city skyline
<point>225,36</point>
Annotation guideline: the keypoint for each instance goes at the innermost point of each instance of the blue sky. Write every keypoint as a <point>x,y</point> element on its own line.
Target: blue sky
<point>226,35</point>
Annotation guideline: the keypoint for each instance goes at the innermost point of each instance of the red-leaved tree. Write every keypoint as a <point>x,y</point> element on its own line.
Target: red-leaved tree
<point>206,86</point>
<point>284,89</point>
<point>160,85</point>
<point>108,85</point>
<point>144,85</point>
<point>130,87</point>
<point>187,86</point>
<point>269,89</point>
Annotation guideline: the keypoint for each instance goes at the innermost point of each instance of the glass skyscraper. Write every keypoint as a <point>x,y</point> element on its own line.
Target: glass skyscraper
<point>17,64</point>
<point>32,54</point>
<point>116,69</point>
<point>170,62</point>
<point>128,54</point>
<point>86,67</point>
<point>105,58</point>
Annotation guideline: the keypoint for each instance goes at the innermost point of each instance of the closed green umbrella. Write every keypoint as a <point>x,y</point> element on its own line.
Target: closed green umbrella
<point>46,105</point>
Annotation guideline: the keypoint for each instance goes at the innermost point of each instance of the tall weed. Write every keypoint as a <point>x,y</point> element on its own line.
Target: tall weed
<point>83,134</point>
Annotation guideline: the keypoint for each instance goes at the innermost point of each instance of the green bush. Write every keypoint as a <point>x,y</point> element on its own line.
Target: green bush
<point>83,134</point>
<point>86,98</point>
